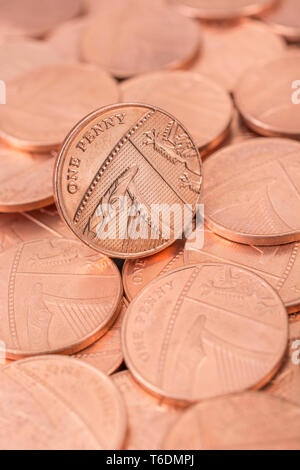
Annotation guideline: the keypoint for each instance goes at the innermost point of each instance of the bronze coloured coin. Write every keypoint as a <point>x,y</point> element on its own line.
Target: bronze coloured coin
<point>106,354</point>
<point>131,38</point>
<point>202,105</point>
<point>239,132</point>
<point>37,17</point>
<point>278,265</point>
<point>230,51</point>
<point>22,55</point>
<point>221,9</point>
<point>268,98</point>
<point>203,331</point>
<point>25,180</point>
<point>127,180</point>
<point>65,39</point>
<point>59,403</point>
<point>148,418</point>
<point>284,18</point>
<point>44,104</point>
<point>57,297</point>
<point>139,272</point>
<point>251,192</point>
<point>286,383</point>
<point>256,421</point>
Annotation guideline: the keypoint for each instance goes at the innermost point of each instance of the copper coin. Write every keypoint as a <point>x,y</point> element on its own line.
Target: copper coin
<point>285,19</point>
<point>118,169</point>
<point>278,265</point>
<point>228,52</point>
<point>106,354</point>
<point>205,330</point>
<point>66,38</point>
<point>239,132</point>
<point>22,55</point>
<point>44,104</point>
<point>130,38</point>
<point>264,97</point>
<point>25,180</point>
<point>139,272</point>
<point>202,106</point>
<point>57,297</point>
<point>286,383</point>
<point>251,192</point>
<point>37,17</point>
<point>247,421</point>
<point>221,9</point>
<point>59,403</point>
<point>148,418</point>
<point>49,220</point>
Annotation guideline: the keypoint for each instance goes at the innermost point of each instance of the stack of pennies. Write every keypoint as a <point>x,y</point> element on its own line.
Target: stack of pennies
<point>156,304</point>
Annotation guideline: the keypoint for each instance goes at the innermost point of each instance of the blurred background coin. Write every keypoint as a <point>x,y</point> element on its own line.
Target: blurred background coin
<point>256,421</point>
<point>59,403</point>
<point>132,37</point>
<point>284,18</point>
<point>229,51</point>
<point>203,106</point>
<point>45,103</point>
<point>65,39</point>
<point>267,105</point>
<point>205,330</point>
<point>251,192</point>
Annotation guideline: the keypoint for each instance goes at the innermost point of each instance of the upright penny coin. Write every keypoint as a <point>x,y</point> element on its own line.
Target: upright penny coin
<point>252,192</point>
<point>59,403</point>
<point>256,421</point>
<point>229,51</point>
<point>131,38</point>
<point>139,272</point>
<point>37,17</point>
<point>203,106</point>
<point>106,354</point>
<point>57,297</point>
<point>44,104</point>
<point>286,383</point>
<point>25,180</point>
<point>148,418</point>
<point>205,330</point>
<point>284,18</point>
<point>278,265</point>
<point>128,179</point>
<point>221,9</point>
<point>22,55</point>
<point>267,98</point>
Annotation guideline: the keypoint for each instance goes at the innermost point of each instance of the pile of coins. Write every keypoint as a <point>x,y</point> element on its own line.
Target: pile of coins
<point>194,341</point>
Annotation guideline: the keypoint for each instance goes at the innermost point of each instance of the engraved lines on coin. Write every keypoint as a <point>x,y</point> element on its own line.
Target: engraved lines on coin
<point>124,184</point>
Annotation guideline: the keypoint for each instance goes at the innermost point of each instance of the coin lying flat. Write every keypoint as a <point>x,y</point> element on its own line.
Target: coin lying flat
<point>278,265</point>
<point>221,9</point>
<point>270,109</point>
<point>44,104</point>
<point>57,297</point>
<point>59,403</point>
<point>66,38</point>
<point>19,56</point>
<point>37,17</point>
<point>256,421</point>
<point>106,354</point>
<point>148,419</point>
<point>286,383</point>
<point>251,192</point>
<point>285,19</point>
<point>118,170</point>
<point>228,52</point>
<point>131,38</point>
<point>25,180</point>
<point>139,272</point>
<point>205,330</point>
<point>201,105</point>
<point>239,132</point>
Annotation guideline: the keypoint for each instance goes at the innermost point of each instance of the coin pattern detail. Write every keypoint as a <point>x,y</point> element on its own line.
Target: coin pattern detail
<point>203,331</point>
<point>108,160</point>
